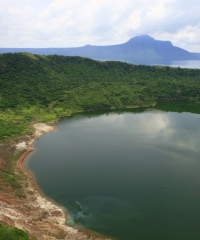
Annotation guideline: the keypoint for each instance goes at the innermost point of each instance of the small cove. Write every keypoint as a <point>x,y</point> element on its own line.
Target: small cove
<point>128,174</point>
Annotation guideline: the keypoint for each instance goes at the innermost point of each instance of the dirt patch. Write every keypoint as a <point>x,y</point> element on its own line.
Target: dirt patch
<point>41,128</point>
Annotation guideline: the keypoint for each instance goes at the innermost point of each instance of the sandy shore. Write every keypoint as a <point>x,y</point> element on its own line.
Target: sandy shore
<point>33,213</point>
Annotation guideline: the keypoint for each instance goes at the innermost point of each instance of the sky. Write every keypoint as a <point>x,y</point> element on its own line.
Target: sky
<point>74,23</point>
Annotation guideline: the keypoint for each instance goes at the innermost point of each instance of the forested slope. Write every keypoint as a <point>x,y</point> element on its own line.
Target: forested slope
<point>42,88</point>
<point>9,233</point>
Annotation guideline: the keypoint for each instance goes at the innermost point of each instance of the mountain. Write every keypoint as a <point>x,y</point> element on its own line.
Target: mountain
<point>196,55</point>
<point>138,49</point>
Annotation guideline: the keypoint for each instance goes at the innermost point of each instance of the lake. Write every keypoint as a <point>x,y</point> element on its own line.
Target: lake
<point>129,174</point>
<point>181,64</point>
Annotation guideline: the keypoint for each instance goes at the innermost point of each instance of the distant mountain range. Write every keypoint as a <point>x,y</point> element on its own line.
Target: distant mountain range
<point>139,49</point>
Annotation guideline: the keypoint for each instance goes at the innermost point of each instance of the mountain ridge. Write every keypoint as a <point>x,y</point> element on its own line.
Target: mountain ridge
<point>139,48</point>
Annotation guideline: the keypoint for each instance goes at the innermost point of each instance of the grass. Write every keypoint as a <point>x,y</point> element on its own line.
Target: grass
<point>10,233</point>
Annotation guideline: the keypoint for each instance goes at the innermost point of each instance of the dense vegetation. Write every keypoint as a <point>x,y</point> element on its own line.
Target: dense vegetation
<point>9,233</point>
<point>42,88</point>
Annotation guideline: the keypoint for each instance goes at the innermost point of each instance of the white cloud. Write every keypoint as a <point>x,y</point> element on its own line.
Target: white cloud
<point>157,12</point>
<point>64,23</point>
<point>187,37</point>
<point>189,33</point>
<point>128,25</point>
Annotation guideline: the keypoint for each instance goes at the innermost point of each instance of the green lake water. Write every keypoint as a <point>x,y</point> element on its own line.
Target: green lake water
<point>127,174</point>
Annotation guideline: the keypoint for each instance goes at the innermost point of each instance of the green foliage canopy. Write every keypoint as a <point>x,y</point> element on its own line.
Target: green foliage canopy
<point>10,233</point>
<point>36,87</point>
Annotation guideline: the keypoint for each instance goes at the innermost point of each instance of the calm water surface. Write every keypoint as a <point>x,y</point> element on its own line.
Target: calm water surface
<point>130,175</point>
<point>181,64</point>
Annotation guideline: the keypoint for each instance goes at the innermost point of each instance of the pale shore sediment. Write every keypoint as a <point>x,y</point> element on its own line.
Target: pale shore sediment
<point>35,214</point>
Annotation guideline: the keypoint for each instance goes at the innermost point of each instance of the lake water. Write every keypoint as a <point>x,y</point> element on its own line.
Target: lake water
<point>127,174</point>
<point>181,64</point>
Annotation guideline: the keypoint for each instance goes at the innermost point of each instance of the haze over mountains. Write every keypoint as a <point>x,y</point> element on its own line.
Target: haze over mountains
<point>139,49</point>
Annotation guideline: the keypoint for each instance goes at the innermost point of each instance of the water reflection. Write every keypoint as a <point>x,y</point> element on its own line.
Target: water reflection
<point>155,128</point>
<point>125,174</point>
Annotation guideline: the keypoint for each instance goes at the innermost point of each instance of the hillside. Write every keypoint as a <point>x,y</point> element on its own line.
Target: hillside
<point>43,88</point>
<point>140,49</point>
<point>36,88</point>
<point>197,55</point>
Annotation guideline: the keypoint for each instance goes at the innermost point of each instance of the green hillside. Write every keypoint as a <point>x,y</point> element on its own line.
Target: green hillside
<point>43,88</point>
<point>10,233</point>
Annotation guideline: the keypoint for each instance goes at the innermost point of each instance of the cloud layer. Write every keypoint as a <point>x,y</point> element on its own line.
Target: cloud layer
<point>66,23</point>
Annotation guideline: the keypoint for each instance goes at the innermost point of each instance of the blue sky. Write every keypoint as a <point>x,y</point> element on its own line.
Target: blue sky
<point>71,23</point>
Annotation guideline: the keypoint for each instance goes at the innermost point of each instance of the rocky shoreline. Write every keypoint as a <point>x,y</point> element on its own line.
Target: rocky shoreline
<point>33,213</point>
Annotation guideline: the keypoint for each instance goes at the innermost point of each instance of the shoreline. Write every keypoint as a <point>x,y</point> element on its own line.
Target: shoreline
<point>70,232</point>
<point>48,204</point>
<point>35,213</point>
